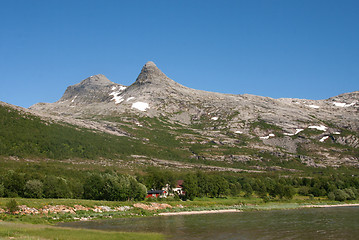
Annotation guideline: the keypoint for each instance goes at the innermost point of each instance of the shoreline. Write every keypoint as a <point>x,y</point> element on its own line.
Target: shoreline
<point>199,212</point>
<point>331,205</point>
<point>238,210</point>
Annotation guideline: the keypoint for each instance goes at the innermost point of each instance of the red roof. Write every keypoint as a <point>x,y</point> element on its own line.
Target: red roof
<point>179,183</point>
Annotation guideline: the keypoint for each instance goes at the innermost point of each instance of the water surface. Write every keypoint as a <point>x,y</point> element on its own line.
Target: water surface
<point>311,223</point>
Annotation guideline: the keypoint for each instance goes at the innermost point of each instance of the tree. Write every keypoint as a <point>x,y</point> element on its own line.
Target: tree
<point>340,195</point>
<point>14,184</point>
<point>247,189</point>
<point>56,187</point>
<point>2,190</point>
<point>288,192</point>
<point>94,187</point>
<point>33,189</point>
<point>190,186</point>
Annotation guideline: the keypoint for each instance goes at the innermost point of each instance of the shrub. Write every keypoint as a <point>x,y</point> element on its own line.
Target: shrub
<point>351,193</point>
<point>331,196</point>
<point>33,189</point>
<point>2,190</point>
<point>12,206</point>
<point>340,195</point>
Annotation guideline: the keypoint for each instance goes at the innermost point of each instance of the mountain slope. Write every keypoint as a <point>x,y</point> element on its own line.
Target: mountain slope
<point>220,128</point>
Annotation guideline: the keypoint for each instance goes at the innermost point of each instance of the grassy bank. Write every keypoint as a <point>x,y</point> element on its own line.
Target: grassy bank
<point>127,209</point>
<point>29,231</point>
<point>17,226</point>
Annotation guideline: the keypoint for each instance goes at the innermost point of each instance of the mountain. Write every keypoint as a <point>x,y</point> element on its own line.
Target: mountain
<point>214,128</point>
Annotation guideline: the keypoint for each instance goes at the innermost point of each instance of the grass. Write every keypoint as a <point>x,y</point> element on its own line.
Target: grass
<point>27,231</point>
<point>37,203</point>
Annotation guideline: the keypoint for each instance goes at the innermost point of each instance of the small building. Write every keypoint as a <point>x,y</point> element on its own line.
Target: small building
<point>179,189</point>
<point>156,193</point>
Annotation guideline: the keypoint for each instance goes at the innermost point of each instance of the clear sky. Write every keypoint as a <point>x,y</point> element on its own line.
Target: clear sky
<point>275,48</point>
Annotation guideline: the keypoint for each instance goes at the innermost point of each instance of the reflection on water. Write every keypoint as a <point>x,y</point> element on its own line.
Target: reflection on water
<point>319,223</point>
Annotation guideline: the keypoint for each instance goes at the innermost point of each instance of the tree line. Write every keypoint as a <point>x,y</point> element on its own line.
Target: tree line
<point>113,186</point>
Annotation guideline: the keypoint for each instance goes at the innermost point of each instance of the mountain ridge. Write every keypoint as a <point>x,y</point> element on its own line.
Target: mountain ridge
<point>288,127</point>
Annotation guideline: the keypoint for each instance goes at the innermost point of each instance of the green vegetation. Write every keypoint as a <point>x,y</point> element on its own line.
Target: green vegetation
<point>27,231</point>
<point>12,206</point>
<point>24,135</point>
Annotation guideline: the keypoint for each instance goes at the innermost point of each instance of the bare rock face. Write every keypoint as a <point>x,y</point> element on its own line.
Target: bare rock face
<point>91,90</point>
<point>287,124</point>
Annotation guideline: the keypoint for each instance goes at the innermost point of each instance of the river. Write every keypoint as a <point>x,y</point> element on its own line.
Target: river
<point>310,223</point>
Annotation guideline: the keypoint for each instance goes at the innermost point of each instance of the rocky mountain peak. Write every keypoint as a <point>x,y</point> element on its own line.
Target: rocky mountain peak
<point>97,80</point>
<point>150,73</point>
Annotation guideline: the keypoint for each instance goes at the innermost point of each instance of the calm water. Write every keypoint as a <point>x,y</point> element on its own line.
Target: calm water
<point>320,223</point>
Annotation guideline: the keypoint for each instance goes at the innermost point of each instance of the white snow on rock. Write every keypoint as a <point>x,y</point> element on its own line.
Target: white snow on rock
<point>73,100</point>
<point>288,134</point>
<point>323,139</point>
<point>298,130</point>
<point>214,118</point>
<point>142,106</point>
<point>267,137</point>
<point>320,128</point>
<point>336,133</point>
<point>239,132</point>
<point>340,104</point>
<point>313,106</point>
<point>116,94</point>
<point>118,99</point>
<point>129,99</point>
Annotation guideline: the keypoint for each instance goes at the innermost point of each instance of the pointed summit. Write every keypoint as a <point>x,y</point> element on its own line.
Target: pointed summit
<point>151,74</point>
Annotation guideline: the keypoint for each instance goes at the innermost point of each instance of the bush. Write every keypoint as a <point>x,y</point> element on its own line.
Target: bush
<point>2,190</point>
<point>331,196</point>
<point>351,193</point>
<point>12,206</point>
<point>33,189</point>
<point>340,195</point>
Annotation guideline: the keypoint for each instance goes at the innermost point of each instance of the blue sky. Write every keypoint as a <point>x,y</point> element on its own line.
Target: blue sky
<point>275,48</point>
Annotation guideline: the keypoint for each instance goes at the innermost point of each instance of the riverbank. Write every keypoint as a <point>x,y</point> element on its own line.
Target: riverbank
<point>199,212</point>
<point>53,211</point>
<point>331,205</point>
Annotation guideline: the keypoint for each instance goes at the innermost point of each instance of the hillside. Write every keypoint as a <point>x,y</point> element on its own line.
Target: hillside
<point>215,128</point>
<point>157,121</point>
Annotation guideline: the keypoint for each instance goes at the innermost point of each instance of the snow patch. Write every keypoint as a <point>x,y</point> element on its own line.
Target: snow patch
<point>288,134</point>
<point>130,98</point>
<point>298,130</point>
<point>267,137</point>
<point>122,88</point>
<point>118,99</point>
<point>239,132</point>
<point>320,128</point>
<point>340,104</point>
<point>323,139</point>
<point>337,133</point>
<point>142,106</point>
<point>313,106</point>
<point>116,94</point>
<point>214,118</point>
<point>139,124</point>
<point>73,100</point>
